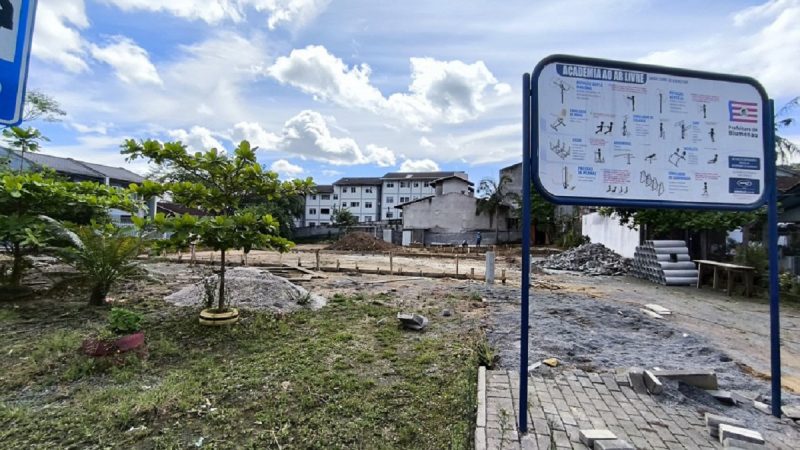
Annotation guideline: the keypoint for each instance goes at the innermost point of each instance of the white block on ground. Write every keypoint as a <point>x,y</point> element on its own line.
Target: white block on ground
<point>704,379</point>
<point>763,407</point>
<point>736,444</point>
<point>652,382</point>
<point>588,437</point>
<point>658,309</point>
<point>713,421</point>
<point>616,444</point>
<point>739,433</point>
<point>481,419</point>
<point>651,313</point>
<point>636,377</point>
<point>791,411</point>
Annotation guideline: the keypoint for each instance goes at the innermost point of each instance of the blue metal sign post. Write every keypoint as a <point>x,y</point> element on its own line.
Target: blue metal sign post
<point>16,30</point>
<point>612,133</point>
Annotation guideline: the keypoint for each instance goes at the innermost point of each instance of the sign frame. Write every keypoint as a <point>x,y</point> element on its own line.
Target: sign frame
<point>639,203</point>
<point>14,75</point>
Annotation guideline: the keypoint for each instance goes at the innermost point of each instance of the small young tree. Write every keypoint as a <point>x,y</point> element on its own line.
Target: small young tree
<point>343,218</point>
<point>24,140</point>
<point>219,184</point>
<point>495,198</point>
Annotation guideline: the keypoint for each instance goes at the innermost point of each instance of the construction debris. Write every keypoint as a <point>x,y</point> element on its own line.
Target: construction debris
<point>358,241</point>
<point>652,383</point>
<point>791,411</point>
<point>614,444</point>
<point>698,378</point>
<point>736,444</point>
<point>636,377</point>
<point>591,259</point>
<point>722,396</point>
<point>652,314</point>
<point>658,309</point>
<point>552,362</point>
<point>588,437</point>
<point>713,421</point>
<point>414,322</point>
<point>739,433</point>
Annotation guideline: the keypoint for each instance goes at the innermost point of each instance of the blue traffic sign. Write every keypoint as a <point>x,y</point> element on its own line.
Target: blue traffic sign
<point>16,29</point>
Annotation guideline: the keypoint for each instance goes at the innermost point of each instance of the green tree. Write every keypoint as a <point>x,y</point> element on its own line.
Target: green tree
<point>39,105</point>
<point>343,218</point>
<point>543,214</point>
<point>784,148</point>
<point>23,139</point>
<point>30,202</point>
<point>495,198</point>
<point>221,185</point>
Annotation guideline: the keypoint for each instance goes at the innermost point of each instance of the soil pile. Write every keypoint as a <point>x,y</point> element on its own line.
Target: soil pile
<point>591,259</point>
<point>358,241</point>
<point>250,287</point>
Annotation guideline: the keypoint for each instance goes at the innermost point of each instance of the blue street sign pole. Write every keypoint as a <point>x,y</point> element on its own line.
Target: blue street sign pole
<point>16,30</point>
<point>774,293</point>
<point>526,252</point>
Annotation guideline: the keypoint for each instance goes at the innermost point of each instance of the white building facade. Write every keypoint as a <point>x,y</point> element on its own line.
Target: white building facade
<point>361,196</point>
<point>403,187</point>
<point>320,206</point>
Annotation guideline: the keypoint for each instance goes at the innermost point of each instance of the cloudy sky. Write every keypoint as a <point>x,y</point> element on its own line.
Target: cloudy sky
<point>330,88</point>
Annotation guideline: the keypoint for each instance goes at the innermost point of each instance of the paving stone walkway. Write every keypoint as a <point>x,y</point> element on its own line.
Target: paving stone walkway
<point>561,405</point>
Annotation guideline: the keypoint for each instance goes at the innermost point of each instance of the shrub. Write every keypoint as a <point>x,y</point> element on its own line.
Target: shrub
<point>123,321</point>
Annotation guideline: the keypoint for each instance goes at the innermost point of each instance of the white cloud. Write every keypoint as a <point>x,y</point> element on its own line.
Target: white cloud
<point>419,165</point>
<point>425,142</point>
<point>57,38</point>
<point>763,39</point>
<point>440,91</point>
<point>255,134</point>
<point>295,12</point>
<point>197,139</point>
<point>131,63</point>
<point>100,128</point>
<point>332,173</point>
<point>285,168</point>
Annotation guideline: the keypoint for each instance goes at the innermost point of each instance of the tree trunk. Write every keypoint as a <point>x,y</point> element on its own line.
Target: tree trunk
<point>98,295</point>
<point>21,157</point>
<point>497,228</point>
<point>18,265</point>
<point>221,296</point>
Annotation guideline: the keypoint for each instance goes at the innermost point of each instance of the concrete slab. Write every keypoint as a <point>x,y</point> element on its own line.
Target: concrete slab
<point>616,444</point>
<point>736,444</point>
<point>652,314</point>
<point>723,396</point>
<point>713,421</point>
<point>636,377</point>
<point>588,437</point>
<point>700,378</point>
<point>652,383</point>
<point>744,397</point>
<point>763,407</point>
<point>791,411</point>
<point>739,433</point>
<point>658,309</point>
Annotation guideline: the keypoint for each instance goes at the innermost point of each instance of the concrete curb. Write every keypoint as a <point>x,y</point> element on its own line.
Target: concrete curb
<point>480,425</point>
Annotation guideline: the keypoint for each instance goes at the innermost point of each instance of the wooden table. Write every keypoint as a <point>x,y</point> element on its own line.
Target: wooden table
<point>730,270</point>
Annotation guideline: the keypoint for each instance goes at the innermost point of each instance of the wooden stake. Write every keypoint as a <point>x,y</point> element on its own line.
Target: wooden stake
<point>316,255</point>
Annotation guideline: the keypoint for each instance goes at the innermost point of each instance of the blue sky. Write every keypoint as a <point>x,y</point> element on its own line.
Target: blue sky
<point>331,88</point>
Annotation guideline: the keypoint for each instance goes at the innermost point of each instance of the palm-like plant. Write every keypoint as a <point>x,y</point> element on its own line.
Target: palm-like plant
<point>104,256</point>
<point>495,198</point>
<point>785,148</point>
<point>24,140</point>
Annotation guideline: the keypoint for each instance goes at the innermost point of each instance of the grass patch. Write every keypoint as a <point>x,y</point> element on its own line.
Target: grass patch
<point>346,376</point>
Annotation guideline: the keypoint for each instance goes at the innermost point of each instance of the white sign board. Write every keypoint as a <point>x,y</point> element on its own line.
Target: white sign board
<point>620,134</point>
<point>16,28</point>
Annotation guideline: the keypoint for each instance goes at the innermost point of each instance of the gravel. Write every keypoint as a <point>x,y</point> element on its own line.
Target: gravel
<point>250,287</point>
<point>591,259</point>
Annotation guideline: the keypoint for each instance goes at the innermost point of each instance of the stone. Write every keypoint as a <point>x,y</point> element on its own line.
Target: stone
<point>591,259</point>
<point>763,407</point>
<point>652,314</point>
<point>621,376</point>
<point>697,378</point>
<point>713,421</point>
<point>723,396</point>
<point>534,366</point>
<point>736,444</point>
<point>744,397</point>
<point>588,437</point>
<point>652,383</point>
<point>616,444</point>
<point>791,411</point>
<point>658,309</point>
<point>739,433</point>
<point>552,362</point>
<point>414,322</point>
<point>636,377</point>
<point>447,313</point>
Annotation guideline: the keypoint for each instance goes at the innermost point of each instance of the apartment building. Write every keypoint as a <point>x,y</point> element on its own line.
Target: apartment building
<point>320,205</point>
<point>403,187</point>
<point>361,196</point>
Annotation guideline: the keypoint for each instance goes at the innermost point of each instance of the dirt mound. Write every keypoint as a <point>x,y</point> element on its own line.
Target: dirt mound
<point>358,241</point>
<point>249,287</point>
<point>592,259</point>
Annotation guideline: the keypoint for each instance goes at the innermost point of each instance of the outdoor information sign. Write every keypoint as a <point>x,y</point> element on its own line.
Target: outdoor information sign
<point>611,133</point>
<point>616,133</point>
<point>16,28</point>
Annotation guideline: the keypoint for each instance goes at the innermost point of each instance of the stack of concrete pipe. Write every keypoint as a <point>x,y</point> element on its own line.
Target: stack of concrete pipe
<point>664,262</point>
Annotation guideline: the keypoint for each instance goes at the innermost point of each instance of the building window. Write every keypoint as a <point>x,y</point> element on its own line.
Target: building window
<point>425,184</point>
<point>353,190</point>
<point>324,211</point>
<point>312,224</point>
<point>403,184</point>
<point>367,218</point>
<point>326,197</point>
<point>403,199</point>
<point>389,214</point>
<point>416,184</point>
<point>401,214</point>
<point>355,204</point>
<point>322,224</point>
<point>389,199</point>
<point>389,185</point>
<point>368,190</point>
<point>313,197</point>
<point>336,196</point>
<point>344,189</point>
<point>312,211</point>
<point>367,204</point>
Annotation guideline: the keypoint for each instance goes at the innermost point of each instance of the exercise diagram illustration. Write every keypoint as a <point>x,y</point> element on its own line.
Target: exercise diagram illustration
<point>705,111</point>
<point>714,159</point>
<point>632,99</point>
<point>677,157</point>
<point>625,126</point>
<point>599,129</point>
<point>598,156</point>
<point>705,189</point>
<point>629,156</point>
<point>617,189</point>
<point>561,149</point>
<point>559,122</point>
<point>651,182</point>
<point>683,126</point>
<point>712,134</point>
<point>564,87</point>
<point>661,132</point>
<point>660,102</point>
<point>650,158</point>
<point>566,179</point>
